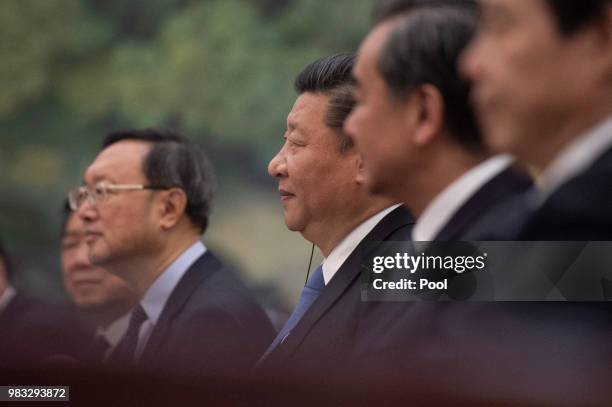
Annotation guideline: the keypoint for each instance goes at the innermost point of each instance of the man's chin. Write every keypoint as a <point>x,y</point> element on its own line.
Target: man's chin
<point>92,305</point>
<point>292,225</point>
<point>293,228</point>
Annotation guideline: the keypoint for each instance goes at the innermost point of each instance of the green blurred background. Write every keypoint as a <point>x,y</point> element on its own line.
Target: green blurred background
<point>221,71</point>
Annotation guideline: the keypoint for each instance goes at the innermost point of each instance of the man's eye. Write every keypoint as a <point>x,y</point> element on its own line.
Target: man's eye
<point>99,191</point>
<point>70,244</point>
<point>294,142</point>
<point>82,194</point>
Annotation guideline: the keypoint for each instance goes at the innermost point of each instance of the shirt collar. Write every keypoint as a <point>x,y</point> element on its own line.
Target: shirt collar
<point>6,297</point>
<point>342,251</point>
<point>577,156</point>
<point>157,295</point>
<point>439,211</point>
<point>115,330</point>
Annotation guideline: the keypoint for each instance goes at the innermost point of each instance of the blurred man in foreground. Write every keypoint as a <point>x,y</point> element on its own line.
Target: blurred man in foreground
<point>414,124</point>
<point>103,299</point>
<point>145,203</point>
<point>542,73</point>
<point>415,127</point>
<point>324,197</point>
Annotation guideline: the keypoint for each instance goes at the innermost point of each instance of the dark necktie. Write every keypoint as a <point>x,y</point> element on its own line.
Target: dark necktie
<point>126,349</point>
<point>96,350</point>
<point>311,291</point>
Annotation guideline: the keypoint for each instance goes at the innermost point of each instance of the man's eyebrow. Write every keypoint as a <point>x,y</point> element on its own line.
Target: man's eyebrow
<point>96,179</point>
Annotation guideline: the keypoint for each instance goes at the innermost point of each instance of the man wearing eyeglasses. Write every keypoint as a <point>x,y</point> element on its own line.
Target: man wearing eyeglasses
<point>145,202</point>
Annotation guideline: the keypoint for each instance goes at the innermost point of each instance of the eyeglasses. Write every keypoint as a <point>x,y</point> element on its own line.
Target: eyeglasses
<point>99,193</point>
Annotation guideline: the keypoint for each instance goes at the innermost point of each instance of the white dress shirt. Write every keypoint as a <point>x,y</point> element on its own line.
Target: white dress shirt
<point>343,250</point>
<point>577,157</point>
<point>157,295</point>
<point>6,297</point>
<point>114,332</point>
<point>439,211</point>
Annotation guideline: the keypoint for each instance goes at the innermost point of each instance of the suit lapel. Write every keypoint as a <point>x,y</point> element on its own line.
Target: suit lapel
<point>202,268</point>
<point>500,187</point>
<point>342,280</point>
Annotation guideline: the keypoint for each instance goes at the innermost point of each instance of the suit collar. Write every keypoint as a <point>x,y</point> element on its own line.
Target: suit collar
<point>578,156</point>
<point>204,267</point>
<point>445,205</point>
<point>156,297</point>
<point>346,275</point>
<point>499,188</point>
<point>343,250</point>
<point>7,295</point>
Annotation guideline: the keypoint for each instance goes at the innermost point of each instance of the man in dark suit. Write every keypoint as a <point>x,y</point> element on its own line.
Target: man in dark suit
<point>103,300</point>
<point>542,78</point>
<point>416,129</point>
<point>324,197</point>
<point>145,202</point>
<point>33,333</point>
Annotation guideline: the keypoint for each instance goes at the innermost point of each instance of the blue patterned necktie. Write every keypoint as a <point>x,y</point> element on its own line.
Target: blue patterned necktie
<point>311,291</point>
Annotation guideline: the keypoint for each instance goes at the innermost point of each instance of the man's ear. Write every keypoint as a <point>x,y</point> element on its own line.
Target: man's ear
<point>361,177</point>
<point>427,114</point>
<point>173,206</point>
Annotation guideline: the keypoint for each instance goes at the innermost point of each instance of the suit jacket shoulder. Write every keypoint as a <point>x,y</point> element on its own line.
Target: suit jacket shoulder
<point>210,324</point>
<point>32,332</point>
<point>493,212</point>
<point>580,209</point>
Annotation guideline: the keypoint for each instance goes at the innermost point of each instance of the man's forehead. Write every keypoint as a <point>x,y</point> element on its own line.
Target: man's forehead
<point>372,45</point>
<point>502,7</point>
<point>306,105</point>
<point>123,158</point>
<point>495,4</point>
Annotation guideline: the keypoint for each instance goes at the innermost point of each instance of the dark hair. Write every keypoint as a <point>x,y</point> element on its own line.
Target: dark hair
<point>175,161</point>
<point>387,9</point>
<point>4,259</point>
<point>423,48</point>
<point>571,15</point>
<point>332,76</point>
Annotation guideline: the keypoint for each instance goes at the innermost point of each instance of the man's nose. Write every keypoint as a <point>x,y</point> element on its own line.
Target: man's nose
<point>277,166</point>
<point>87,211</point>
